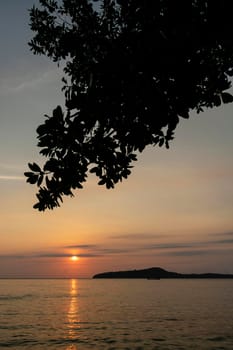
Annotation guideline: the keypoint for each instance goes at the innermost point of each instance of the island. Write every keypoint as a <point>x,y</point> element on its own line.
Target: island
<point>157,273</point>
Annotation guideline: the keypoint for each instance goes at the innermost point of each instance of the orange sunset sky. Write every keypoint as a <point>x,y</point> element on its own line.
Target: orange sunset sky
<point>175,210</point>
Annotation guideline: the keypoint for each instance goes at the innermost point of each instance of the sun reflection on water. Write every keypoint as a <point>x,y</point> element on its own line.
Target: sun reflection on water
<point>72,315</point>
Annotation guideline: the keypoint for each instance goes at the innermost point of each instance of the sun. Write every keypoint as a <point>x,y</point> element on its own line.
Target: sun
<point>74,258</point>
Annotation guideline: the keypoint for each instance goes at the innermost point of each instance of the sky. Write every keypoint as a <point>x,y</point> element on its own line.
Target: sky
<point>174,211</point>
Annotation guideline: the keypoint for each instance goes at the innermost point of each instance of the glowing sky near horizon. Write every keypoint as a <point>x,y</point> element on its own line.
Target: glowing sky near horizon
<point>175,210</point>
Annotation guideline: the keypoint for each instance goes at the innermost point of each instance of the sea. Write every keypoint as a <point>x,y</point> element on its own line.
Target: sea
<point>80,314</point>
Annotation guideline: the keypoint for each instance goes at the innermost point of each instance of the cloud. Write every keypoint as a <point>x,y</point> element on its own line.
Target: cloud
<point>13,256</point>
<point>9,166</point>
<point>175,248</point>
<point>11,178</point>
<point>228,233</point>
<point>81,246</point>
<point>89,255</point>
<point>196,252</point>
<point>62,255</point>
<point>170,246</point>
<point>28,80</point>
<point>110,251</point>
<point>29,84</point>
<point>51,255</point>
<point>187,248</point>
<point>98,250</point>
<point>138,249</point>
<point>48,255</point>
<point>10,172</point>
<point>138,236</point>
<point>224,241</point>
<point>186,252</point>
<point>188,245</point>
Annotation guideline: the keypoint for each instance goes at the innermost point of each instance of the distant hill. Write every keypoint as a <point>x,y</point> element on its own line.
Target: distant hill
<point>157,273</point>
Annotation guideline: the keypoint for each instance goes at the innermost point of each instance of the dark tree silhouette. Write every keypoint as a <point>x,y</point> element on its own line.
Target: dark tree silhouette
<point>133,69</point>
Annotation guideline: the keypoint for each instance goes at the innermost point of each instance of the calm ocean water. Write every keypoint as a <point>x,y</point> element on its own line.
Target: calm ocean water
<point>116,314</point>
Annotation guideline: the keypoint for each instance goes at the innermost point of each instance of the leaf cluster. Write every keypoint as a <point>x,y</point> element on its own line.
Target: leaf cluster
<point>133,70</point>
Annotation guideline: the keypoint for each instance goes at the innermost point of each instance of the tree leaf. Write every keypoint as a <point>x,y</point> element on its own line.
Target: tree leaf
<point>161,142</point>
<point>28,174</point>
<point>226,97</point>
<point>94,170</point>
<point>32,179</point>
<point>102,182</point>
<point>40,180</point>
<point>34,167</point>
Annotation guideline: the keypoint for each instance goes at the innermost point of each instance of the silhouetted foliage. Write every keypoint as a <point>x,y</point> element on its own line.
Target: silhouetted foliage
<point>133,69</point>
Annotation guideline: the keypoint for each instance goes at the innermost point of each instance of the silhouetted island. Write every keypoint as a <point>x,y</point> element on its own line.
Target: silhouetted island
<point>157,273</point>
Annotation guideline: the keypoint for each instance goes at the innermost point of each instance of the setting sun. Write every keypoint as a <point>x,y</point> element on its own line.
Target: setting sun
<point>74,258</point>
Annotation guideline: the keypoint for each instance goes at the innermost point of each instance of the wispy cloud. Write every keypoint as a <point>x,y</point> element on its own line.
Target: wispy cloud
<point>13,256</point>
<point>9,166</point>
<point>198,252</point>
<point>11,178</point>
<point>112,251</point>
<point>11,172</point>
<point>186,252</point>
<point>217,246</point>
<point>29,84</point>
<point>187,245</point>
<point>51,255</point>
<point>98,250</point>
<point>224,241</point>
<point>227,233</point>
<point>81,246</point>
<point>138,236</point>
<point>30,80</point>
<point>169,246</point>
<point>62,255</point>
